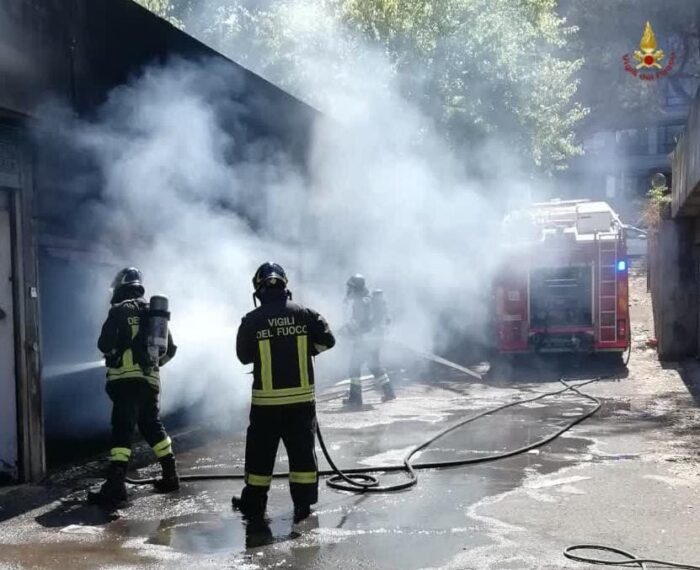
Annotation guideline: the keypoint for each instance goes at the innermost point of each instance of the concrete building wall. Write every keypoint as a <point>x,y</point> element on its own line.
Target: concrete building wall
<point>675,252</point>
<point>674,285</point>
<point>76,52</point>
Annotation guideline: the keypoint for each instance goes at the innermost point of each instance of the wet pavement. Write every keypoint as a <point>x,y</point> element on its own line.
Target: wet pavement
<point>627,477</point>
<point>426,526</point>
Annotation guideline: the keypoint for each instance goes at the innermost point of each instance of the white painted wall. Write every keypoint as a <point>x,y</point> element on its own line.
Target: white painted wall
<point>8,402</point>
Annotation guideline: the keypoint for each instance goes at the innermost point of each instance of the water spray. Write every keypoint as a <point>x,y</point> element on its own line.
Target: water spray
<point>55,370</point>
<point>436,358</point>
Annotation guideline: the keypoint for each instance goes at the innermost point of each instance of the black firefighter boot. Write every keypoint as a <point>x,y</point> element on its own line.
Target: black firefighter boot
<point>170,481</point>
<point>113,490</point>
<point>354,399</point>
<point>251,504</point>
<point>388,392</point>
<point>301,512</point>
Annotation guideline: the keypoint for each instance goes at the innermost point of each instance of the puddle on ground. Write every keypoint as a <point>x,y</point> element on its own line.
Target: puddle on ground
<point>215,534</point>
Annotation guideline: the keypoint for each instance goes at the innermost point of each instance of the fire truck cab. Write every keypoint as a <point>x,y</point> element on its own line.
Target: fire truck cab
<point>563,282</point>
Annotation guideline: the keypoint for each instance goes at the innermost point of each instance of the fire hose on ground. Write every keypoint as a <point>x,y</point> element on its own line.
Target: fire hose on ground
<point>359,480</point>
<point>627,561</point>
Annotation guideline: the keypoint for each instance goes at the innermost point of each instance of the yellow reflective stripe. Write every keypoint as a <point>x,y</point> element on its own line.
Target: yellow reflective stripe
<point>265,364</point>
<point>119,454</point>
<point>123,370</point>
<point>303,355</point>
<point>163,448</point>
<point>117,373</point>
<point>383,379</point>
<point>283,400</point>
<point>258,480</point>
<point>307,477</point>
<point>167,442</point>
<point>127,359</point>
<point>128,368</point>
<point>128,356</point>
<point>296,391</point>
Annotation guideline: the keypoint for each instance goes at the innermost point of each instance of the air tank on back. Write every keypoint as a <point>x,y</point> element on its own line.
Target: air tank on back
<point>158,317</point>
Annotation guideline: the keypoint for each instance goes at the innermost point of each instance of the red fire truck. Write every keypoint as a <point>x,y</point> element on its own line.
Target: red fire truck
<point>563,283</point>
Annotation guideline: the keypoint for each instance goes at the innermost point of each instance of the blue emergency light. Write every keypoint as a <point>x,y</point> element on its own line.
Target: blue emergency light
<point>621,265</point>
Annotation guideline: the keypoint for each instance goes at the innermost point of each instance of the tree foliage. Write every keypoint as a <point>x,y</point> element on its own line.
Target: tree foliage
<point>162,8</point>
<point>495,65</point>
<point>478,68</point>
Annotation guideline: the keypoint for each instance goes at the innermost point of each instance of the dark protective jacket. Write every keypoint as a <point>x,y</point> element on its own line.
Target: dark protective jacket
<point>361,315</point>
<point>280,338</point>
<point>123,342</point>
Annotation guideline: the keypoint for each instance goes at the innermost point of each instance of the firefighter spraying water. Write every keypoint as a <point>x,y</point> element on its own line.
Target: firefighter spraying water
<point>136,343</point>
<point>366,328</point>
<point>280,338</point>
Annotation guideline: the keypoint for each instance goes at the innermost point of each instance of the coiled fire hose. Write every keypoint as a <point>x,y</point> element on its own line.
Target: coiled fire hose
<point>357,480</point>
<point>628,560</point>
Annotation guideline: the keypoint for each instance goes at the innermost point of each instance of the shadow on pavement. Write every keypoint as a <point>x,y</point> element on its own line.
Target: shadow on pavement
<point>550,368</point>
<point>689,371</point>
<point>75,512</point>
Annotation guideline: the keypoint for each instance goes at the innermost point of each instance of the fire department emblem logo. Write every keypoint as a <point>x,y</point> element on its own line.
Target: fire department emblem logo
<point>647,63</point>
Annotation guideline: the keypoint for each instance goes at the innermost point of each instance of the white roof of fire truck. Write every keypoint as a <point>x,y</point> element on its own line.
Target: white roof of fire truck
<point>579,220</point>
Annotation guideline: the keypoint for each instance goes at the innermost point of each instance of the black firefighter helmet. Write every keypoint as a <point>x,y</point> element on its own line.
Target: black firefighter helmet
<point>269,276</point>
<point>129,281</point>
<point>128,277</point>
<point>356,285</point>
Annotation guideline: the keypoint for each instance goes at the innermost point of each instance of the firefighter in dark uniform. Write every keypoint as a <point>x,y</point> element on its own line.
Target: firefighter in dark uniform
<point>133,385</point>
<point>366,328</point>
<point>280,338</point>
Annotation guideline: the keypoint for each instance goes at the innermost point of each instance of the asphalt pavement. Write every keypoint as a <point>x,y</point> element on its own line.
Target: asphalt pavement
<point>627,477</point>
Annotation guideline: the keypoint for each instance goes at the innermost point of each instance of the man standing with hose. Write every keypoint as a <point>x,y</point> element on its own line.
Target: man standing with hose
<point>366,329</point>
<point>133,385</point>
<point>280,338</point>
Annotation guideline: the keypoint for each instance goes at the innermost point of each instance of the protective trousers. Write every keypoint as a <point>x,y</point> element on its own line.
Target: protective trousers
<point>295,425</point>
<point>367,352</point>
<point>135,403</point>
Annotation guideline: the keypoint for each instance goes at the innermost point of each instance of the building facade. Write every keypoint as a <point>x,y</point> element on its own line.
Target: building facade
<point>620,159</point>
<point>675,251</point>
<point>76,52</point>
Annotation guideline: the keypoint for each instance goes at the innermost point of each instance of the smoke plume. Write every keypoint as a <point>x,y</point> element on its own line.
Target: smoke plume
<point>187,197</point>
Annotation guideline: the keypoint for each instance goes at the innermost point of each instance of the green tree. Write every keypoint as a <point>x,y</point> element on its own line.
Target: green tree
<point>162,8</point>
<point>477,67</point>
<point>496,64</point>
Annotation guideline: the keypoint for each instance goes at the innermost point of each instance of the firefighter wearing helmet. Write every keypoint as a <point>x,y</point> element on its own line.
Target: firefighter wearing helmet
<point>280,338</point>
<point>133,385</point>
<point>368,321</point>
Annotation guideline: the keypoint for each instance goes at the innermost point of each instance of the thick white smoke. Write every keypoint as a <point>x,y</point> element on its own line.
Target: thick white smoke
<point>383,195</point>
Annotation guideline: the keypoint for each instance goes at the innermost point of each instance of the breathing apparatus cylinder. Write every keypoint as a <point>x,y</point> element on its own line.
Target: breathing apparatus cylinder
<point>158,317</point>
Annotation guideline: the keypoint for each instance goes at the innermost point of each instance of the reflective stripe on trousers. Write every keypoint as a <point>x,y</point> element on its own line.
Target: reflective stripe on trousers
<point>304,477</point>
<point>163,448</point>
<point>258,480</point>
<point>120,454</point>
<point>382,380</point>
